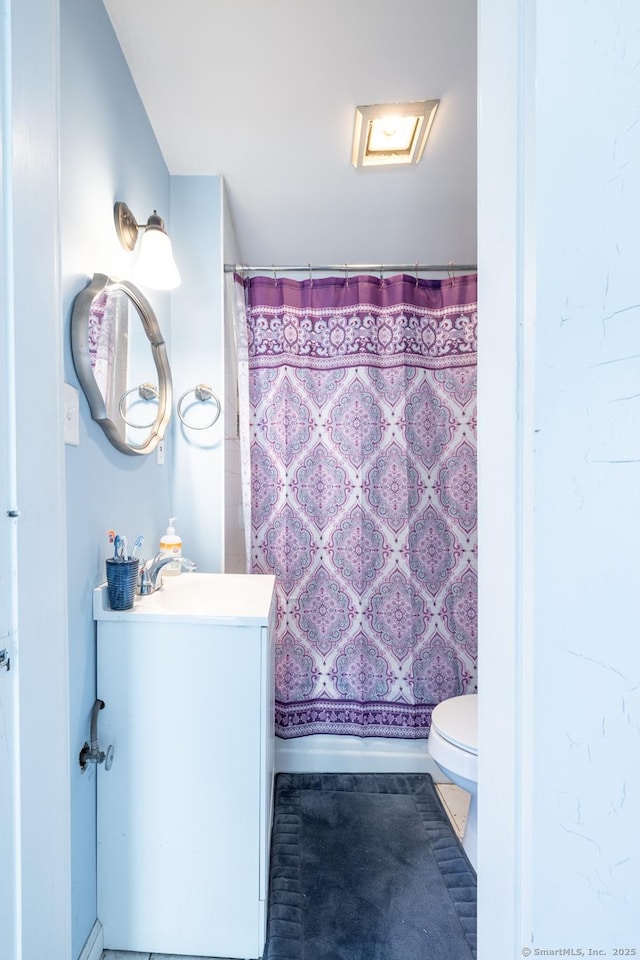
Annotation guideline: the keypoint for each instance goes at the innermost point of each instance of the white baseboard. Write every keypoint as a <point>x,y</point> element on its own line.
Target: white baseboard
<point>92,949</point>
<point>324,753</point>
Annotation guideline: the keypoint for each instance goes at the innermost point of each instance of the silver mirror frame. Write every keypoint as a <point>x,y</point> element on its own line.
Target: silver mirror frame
<point>82,362</point>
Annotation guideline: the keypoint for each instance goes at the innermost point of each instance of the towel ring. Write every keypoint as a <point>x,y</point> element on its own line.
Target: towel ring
<point>146,392</point>
<point>203,393</point>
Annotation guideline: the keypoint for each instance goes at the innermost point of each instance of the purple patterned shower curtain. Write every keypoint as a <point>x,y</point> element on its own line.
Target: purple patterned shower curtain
<point>362,396</point>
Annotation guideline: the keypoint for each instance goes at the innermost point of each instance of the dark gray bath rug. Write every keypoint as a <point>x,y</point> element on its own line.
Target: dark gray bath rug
<point>367,867</point>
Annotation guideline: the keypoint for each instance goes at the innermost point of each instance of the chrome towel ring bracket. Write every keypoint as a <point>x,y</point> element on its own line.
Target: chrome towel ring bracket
<point>203,394</point>
<point>146,392</point>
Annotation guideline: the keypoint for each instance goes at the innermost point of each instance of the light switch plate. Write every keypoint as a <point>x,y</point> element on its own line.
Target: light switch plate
<point>71,415</point>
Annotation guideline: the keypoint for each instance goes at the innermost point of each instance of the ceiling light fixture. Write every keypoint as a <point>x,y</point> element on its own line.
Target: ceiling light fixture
<point>392,133</point>
<point>155,266</point>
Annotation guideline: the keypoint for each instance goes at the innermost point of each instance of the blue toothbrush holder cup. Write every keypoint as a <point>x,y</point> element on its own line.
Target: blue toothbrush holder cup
<point>122,580</point>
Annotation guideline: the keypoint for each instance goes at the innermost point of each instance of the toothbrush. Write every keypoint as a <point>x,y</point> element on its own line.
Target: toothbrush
<point>117,545</point>
<point>123,548</point>
<point>138,543</point>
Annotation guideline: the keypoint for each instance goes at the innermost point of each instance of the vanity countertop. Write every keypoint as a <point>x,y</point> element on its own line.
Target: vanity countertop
<point>216,598</point>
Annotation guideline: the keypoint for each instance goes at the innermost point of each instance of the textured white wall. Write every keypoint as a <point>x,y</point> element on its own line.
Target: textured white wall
<point>587,527</point>
<point>559,189</point>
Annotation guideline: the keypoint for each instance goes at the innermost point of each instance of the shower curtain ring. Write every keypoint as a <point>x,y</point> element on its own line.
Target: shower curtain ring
<point>310,275</point>
<point>451,271</point>
<point>346,274</point>
<point>275,275</point>
<point>416,273</point>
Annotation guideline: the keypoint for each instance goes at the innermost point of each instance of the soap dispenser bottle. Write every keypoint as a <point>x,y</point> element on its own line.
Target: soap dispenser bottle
<point>171,546</point>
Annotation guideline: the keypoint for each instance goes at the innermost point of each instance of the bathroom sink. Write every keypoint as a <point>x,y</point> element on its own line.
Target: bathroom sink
<point>197,597</point>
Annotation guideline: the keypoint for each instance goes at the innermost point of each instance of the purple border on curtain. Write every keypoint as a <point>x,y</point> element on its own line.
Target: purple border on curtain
<point>338,293</point>
<point>329,323</point>
<point>363,460</point>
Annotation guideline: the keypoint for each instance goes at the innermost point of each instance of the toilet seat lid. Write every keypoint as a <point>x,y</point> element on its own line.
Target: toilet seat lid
<point>456,720</point>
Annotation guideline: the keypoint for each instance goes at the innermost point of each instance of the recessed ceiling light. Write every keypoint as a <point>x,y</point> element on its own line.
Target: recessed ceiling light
<point>391,133</point>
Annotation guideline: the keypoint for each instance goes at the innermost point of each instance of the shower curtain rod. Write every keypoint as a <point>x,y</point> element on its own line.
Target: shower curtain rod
<point>355,268</point>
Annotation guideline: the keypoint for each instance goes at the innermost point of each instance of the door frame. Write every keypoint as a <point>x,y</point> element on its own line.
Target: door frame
<point>36,857</point>
<point>10,917</point>
<point>506,296</point>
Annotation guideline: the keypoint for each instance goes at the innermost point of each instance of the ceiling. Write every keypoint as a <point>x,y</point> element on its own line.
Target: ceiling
<point>264,92</point>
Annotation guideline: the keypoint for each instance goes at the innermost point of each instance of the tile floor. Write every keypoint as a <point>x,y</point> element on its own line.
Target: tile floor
<point>456,803</point>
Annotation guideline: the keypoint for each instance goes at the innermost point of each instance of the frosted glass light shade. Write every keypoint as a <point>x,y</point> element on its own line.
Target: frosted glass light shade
<point>155,266</point>
<point>392,134</point>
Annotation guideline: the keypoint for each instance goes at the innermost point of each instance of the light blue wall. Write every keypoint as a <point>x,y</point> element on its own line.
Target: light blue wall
<point>197,357</point>
<point>108,153</point>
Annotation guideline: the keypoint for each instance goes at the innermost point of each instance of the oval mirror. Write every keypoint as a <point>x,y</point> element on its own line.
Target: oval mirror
<point>121,362</point>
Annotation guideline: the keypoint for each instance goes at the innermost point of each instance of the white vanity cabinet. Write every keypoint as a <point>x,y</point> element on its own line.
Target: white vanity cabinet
<point>184,812</point>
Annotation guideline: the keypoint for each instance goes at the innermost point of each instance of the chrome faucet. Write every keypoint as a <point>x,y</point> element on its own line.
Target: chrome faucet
<point>150,578</point>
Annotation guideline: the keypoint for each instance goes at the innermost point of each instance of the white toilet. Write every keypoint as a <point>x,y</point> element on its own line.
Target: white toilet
<point>453,744</point>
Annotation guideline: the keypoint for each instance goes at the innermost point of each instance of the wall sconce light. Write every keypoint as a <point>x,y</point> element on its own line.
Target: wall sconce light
<point>391,133</point>
<point>155,266</point>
